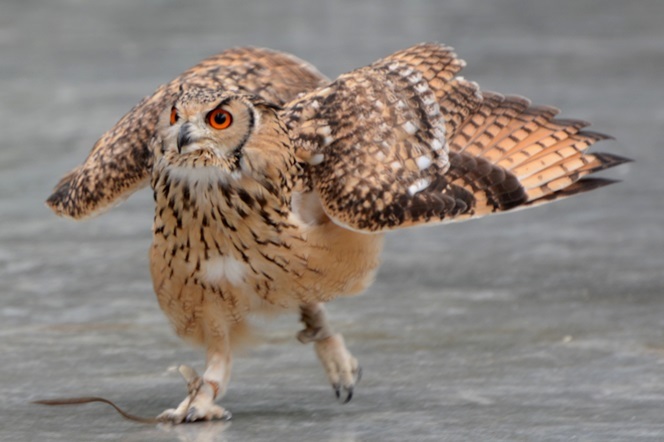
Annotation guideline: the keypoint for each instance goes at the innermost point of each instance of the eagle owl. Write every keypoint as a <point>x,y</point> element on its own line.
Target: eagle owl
<point>274,187</point>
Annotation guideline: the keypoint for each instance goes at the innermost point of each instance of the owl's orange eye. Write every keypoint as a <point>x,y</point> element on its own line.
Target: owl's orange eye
<point>174,116</point>
<point>219,119</point>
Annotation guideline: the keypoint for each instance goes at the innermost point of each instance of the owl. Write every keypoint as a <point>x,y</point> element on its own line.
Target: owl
<point>274,187</point>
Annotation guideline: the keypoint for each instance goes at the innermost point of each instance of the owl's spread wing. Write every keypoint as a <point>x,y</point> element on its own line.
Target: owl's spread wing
<point>120,161</point>
<point>404,142</point>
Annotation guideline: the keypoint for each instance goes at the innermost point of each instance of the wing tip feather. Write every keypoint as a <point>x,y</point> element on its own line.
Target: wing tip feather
<point>57,201</point>
<point>585,185</point>
<point>596,136</point>
<point>67,201</point>
<point>578,187</point>
<point>609,160</point>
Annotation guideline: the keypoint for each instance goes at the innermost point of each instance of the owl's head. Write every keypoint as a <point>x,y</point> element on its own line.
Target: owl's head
<point>209,132</point>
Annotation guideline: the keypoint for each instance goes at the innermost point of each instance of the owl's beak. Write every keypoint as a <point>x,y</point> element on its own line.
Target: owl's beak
<point>185,136</point>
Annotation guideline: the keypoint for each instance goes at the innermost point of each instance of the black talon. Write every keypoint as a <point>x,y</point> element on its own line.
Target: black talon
<point>337,390</point>
<point>190,415</point>
<point>350,395</point>
<point>358,376</point>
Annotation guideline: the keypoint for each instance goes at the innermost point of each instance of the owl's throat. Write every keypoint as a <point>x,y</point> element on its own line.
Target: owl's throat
<point>209,197</point>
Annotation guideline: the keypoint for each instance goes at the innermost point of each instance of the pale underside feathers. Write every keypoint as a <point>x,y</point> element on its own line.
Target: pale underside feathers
<point>401,142</point>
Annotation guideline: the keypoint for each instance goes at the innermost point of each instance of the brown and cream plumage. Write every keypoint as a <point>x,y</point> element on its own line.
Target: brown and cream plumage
<point>120,161</point>
<point>273,186</point>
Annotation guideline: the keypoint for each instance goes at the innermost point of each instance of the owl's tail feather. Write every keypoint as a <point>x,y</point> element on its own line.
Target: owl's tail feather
<point>510,154</point>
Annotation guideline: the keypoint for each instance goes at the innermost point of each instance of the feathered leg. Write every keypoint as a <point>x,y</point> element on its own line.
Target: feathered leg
<point>199,403</point>
<point>339,364</point>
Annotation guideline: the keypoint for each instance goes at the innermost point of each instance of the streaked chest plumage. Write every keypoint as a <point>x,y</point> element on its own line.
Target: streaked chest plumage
<point>225,237</point>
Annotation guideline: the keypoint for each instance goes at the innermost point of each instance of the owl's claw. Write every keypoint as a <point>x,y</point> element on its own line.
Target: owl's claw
<point>198,405</point>
<point>341,367</point>
<point>194,414</point>
<point>191,415</point>
<point>357,374</point>
<point>348,392</point>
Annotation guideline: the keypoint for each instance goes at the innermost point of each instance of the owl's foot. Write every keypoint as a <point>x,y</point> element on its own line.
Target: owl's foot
<point>199,404</point>
<point>340,365</point>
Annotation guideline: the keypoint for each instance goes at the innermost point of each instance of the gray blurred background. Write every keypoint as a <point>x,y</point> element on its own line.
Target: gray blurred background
<point>546,324</point>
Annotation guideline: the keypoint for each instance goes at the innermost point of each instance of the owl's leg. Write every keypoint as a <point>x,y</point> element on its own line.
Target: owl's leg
<point>199,403</point>
<point>341,367</point>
